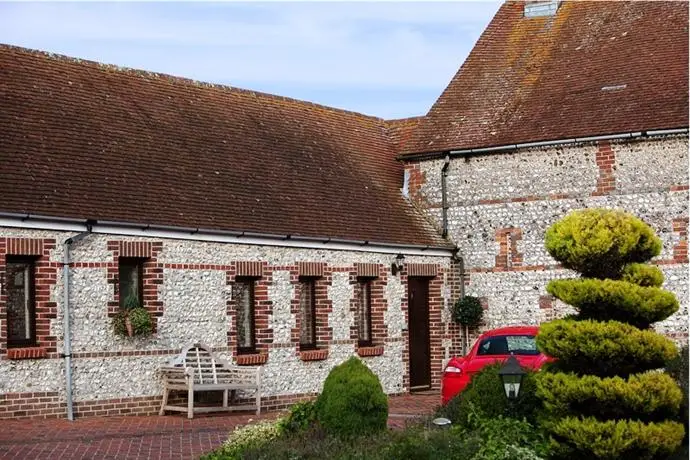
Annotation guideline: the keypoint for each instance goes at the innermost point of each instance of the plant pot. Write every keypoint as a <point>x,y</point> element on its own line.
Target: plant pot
<point>128,325</point>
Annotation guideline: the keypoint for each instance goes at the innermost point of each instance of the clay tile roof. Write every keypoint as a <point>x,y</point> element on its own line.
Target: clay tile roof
<point>594,68</point>
<point>86,140</point>
<point>400,131</point>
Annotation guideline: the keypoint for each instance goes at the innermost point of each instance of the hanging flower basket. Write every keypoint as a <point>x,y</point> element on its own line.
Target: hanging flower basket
<point>132,319</point>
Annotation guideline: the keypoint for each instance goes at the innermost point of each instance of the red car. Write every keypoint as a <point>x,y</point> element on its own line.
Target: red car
<point>492,346</point>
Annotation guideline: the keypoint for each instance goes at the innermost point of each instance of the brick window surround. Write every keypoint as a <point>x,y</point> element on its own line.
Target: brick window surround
<point>152,274</point>
<point>372,278</point>
<point>45,276</point>
<point>321,276</point>
<point>261,277</point>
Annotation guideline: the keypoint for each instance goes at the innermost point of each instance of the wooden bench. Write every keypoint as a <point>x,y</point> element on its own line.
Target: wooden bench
<point>196,368</point>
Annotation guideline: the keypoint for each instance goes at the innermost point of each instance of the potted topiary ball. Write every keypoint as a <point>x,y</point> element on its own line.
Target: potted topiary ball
<point>468,312</point>
<point>132,319</point>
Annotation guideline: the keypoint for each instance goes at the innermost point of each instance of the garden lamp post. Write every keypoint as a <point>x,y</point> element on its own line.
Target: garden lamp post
<point>511,374</point>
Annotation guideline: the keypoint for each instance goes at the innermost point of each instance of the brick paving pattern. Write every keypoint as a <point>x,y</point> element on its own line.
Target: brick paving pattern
<point>153,437</point>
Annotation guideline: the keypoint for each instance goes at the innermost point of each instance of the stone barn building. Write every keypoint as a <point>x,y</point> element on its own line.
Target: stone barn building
<point>289,235</point>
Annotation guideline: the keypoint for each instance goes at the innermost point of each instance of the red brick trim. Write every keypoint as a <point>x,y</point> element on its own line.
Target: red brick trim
<point>416,179</point>
<point>606,161</point>
<point>367,270</point>
<point>153,274</point>
<point>415,269</point>
<point>508,255</point>
<point>680,250</point>
<point>251,360</point>
<point>379,305</point>
<point>45,278</point>
<point>313,269</point>
<point>323,306</point>
<point>249,268</point>
<point>313,355</point>
<point>370,351</point>
<point>27,353</point>
<point>139,249</point>
<point>24,247</point>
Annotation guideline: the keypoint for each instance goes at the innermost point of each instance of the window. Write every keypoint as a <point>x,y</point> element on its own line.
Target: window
<point>307,311</point>
<point>21,308</point>
<point>131,282</point>
<point>364,313</point>
<point>243,293</point>
<point>509,344</point>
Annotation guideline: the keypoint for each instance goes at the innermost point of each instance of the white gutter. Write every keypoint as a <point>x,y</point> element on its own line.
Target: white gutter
<point>36,222</point>
<point>527,145</point>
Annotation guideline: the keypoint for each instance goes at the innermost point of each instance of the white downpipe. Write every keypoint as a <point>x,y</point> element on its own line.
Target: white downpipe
<point>67,340</point>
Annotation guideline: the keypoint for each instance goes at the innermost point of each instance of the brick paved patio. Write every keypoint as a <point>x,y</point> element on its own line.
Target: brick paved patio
<point>168,437</point>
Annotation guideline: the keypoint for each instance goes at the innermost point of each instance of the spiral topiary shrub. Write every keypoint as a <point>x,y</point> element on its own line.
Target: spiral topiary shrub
<point>603,397</point>
<point>352,402</point>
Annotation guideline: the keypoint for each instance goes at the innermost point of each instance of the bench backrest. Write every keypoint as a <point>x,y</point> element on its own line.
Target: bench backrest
<point>203,362</point>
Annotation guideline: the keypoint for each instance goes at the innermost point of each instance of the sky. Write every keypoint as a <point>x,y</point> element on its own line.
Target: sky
<point>387,59</point>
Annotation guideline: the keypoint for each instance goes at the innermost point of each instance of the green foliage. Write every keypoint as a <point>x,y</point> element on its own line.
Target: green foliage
<point>505,438</point>
<point>244,439</point>
<point>599,242</point>
<point>649,396</point>
<point>677,368</point>
<point>139,317</point>
<point>605,300</point>
<point>584,438</point>
<point>643,275</point>
<point>468,311</point>
<point>352,401</point>
<point>485,398</point>
<point>599,401</point>
<point>603,349</point>
<point>302,416</point>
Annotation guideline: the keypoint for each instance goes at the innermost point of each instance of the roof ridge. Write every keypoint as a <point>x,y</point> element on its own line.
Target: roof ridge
<point>180,79</point>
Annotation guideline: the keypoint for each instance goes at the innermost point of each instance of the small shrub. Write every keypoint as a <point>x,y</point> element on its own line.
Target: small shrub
<point>352,401</point>
<point>505,438</point>
<point>485,398</point>
<point>301,417</point>
<point>140,319</point>
<point>468,311</point>
<point>243,439</point>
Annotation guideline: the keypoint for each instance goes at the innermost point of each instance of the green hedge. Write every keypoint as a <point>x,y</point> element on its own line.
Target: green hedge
<point>603,349</point>
<point>649,396</point>
<point>352,402</point>
<point>584,438</point>
<point>599,242</point>
<point>623,301</point>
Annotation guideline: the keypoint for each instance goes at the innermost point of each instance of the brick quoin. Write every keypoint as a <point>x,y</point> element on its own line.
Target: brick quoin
<point>508,256</point>
<point>152,274</point>
<point>45,278</point>
<point>680,250</point>
<point>606,162</point>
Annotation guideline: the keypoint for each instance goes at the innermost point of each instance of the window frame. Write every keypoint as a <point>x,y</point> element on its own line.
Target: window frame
<point>311,281</point>
<point>251,283</point>
<point>138,262</point>
<point>364,307</point>
<point>32,341</point>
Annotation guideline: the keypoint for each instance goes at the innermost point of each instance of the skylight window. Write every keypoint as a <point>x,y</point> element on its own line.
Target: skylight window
<point>541,8</point>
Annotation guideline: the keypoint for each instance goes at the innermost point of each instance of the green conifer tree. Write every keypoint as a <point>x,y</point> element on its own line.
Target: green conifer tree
<point>604,397</point>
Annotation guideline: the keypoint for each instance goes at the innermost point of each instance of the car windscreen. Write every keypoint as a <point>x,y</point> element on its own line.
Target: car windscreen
<point>507,344</point>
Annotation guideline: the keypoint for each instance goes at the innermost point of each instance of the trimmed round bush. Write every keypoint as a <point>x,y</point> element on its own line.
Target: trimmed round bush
<point>468,311</point>
<point>643,275</point>
<point>607,299</point>
<point>651,395</point>
<point>603,349</point>
<point>616,439</point>
<point>352,401</point>
<point>599,242</point>
<point>485,398</point>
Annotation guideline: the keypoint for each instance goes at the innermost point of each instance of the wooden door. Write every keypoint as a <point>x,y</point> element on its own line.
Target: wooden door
<point>418,329</point>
